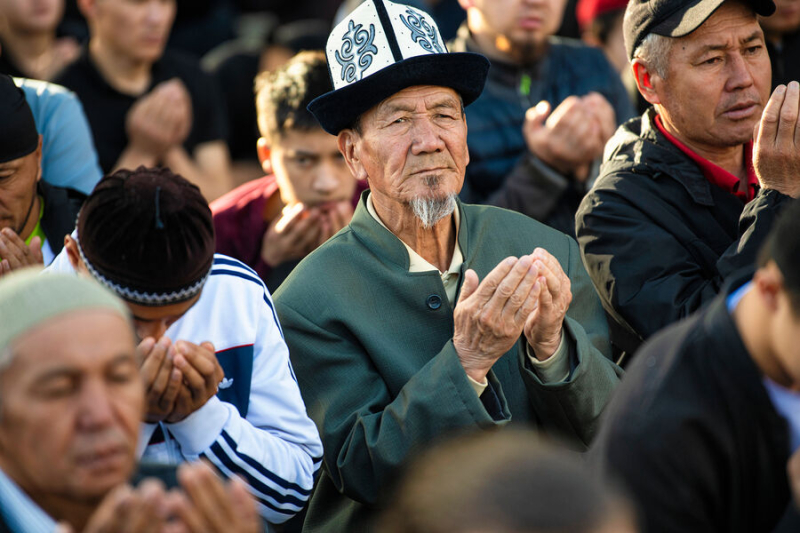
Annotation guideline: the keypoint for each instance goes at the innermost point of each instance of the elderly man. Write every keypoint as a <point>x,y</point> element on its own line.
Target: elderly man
<point>71,398</point>
<point>424,316</point>
<point>34,215</point>
<point>685,197</point>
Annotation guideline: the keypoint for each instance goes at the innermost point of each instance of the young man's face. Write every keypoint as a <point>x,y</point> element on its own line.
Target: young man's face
<point>72,400</point>
<point>310,169</point>
<point>134,29</point>
<point>32,15</point>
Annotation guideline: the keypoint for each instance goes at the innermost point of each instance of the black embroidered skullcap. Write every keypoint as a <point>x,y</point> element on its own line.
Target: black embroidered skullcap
<point>18,135</point>
<point>382,48</point>
<point>148,235</point>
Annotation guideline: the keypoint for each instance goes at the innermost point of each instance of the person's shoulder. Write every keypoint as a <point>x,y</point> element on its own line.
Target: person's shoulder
<point>78,73</point>
<point>232,280</point>
<point>317,272</point>
<point>183,65</point>
<point>666,384</point>
<point>244,196</point>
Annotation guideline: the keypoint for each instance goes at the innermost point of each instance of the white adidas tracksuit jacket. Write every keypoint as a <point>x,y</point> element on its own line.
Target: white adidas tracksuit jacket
<point>256,426</point>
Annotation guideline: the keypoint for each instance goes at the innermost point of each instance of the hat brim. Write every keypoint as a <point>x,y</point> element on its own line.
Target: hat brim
<point>697,14</point>
<point>464,72</point>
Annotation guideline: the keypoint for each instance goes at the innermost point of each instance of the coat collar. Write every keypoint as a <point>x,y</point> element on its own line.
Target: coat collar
<point>639,147</point>
<point>386,244</point>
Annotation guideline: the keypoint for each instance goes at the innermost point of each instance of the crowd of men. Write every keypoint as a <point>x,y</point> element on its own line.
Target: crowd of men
<point>473,290</point>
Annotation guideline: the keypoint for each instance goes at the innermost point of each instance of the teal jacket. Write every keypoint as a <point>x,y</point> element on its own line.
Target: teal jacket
<point>375,361</point>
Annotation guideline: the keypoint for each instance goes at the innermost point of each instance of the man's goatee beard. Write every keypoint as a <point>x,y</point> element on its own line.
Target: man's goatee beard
<point>431,210</point>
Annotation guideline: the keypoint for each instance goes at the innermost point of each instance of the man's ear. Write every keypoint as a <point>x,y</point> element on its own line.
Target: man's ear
<point>768,281</point>
<point>264,153</point>
<point>346,140</point>
<point>73,254</point>
<point>466,4</point>
<point>645,81</point>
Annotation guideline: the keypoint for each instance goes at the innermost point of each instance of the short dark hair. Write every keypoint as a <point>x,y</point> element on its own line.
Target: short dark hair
<point>782,246</point>
<point>509,481</point>
<point>283,95</point>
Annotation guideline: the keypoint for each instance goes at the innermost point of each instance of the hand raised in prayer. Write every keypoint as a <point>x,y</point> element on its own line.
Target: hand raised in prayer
<point>202,374</point>
<point>160,119</point>
<point>573,135</point>
<point>211,505</point>
<point>144,509</point>
<point>552,290</point>
<point>776,153</point>
<point>162,380</point>
<point>292,236</point>
<point>333,217</point>
<point>16,254</point>
<point>489,317</point>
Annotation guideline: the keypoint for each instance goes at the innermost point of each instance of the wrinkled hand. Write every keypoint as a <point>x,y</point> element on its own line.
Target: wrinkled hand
<point>292,236</point>
<point>125,509</point>
<point>213,506</point>
<point>160,119</point>
<point>571,137</point>
<point>776,153</point>
<point>16,254</point>
<point>489,317</point>
<point>202,374</point>
<point>553,294</point>
<point>333,216</point>
<point>162,381</point>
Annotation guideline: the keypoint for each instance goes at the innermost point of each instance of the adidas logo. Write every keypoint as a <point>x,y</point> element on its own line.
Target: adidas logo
<point>225,383</point>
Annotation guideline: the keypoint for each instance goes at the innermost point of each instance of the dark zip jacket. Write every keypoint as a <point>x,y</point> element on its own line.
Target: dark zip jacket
<point>657,238</point>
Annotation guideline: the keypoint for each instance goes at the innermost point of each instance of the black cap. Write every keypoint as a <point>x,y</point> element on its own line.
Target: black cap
<point>18,135</point>
<point>673,18</point>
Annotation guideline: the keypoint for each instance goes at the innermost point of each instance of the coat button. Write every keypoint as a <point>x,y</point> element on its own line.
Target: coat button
<point>434,302</point>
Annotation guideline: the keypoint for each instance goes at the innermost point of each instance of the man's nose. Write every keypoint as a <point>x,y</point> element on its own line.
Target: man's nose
<point>426,137</point>
<point>325,180</point>
<point>95,408</point>
<point>739,75</point>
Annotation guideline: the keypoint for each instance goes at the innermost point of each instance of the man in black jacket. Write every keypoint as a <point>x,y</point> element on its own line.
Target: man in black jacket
<point>685,196</point>
<point>702,427</point>
<point>34,216</point>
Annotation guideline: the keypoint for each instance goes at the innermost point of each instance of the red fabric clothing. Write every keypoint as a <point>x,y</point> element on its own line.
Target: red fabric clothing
<point>717,175</point>
<point>239,221</point>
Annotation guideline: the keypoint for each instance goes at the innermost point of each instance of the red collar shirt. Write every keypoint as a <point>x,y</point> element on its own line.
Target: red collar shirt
<point>717,175</point>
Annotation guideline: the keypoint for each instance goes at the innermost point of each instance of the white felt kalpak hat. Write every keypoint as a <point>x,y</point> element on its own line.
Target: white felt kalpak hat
<point>382,48</point>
